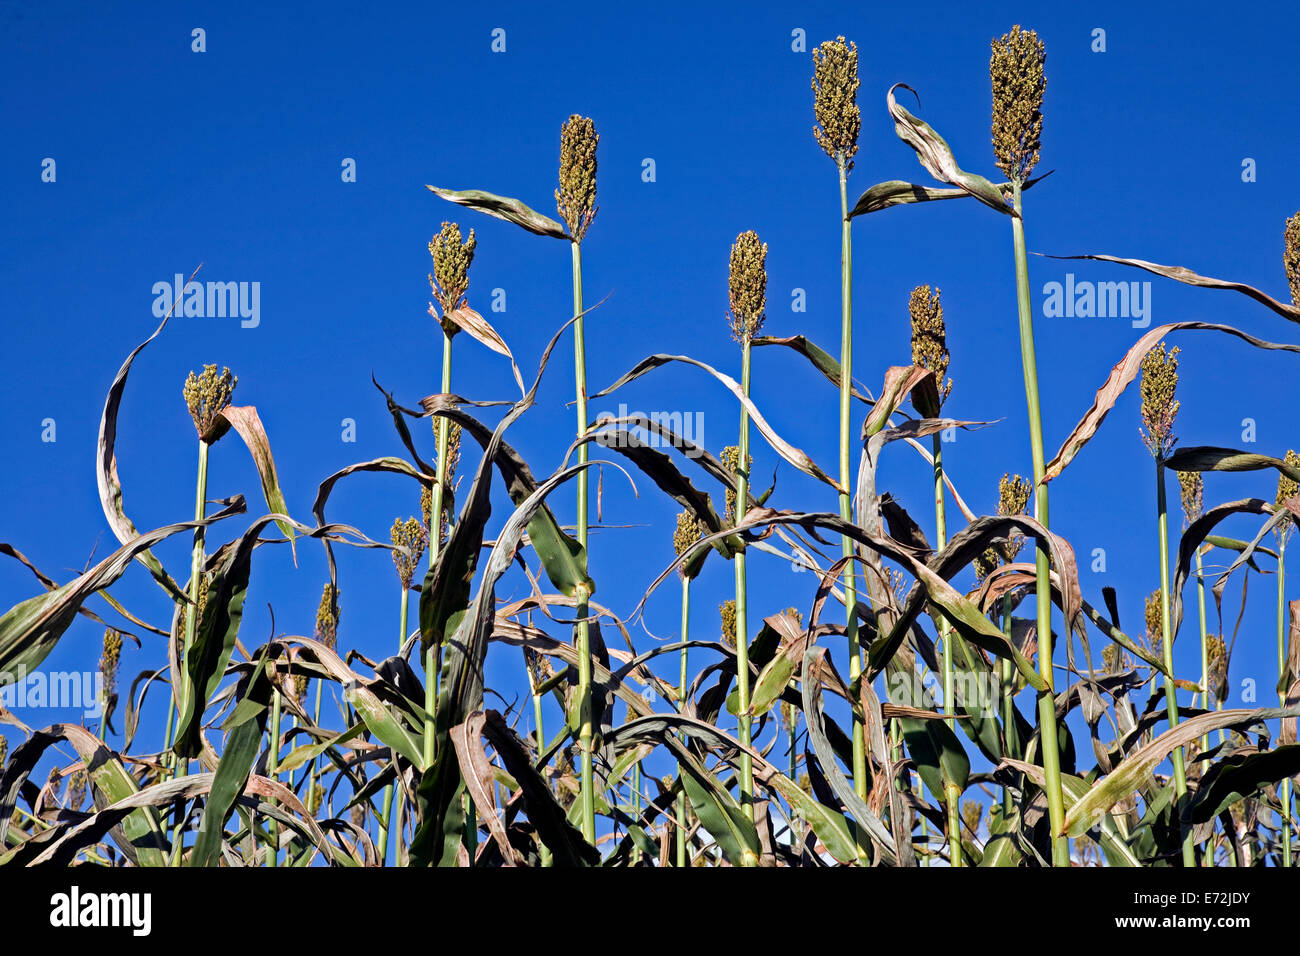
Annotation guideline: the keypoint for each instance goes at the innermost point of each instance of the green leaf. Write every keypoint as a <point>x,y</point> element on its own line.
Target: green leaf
<point>1238,776</point>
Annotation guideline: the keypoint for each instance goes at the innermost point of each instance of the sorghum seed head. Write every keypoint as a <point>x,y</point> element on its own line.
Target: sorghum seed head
<point>1016,68</point>
<point>1291,257</point>
<point>576,198</point>
<point>451,261</point>
<point>1159,406</point>
<point>426,503</point>
<point>731,461</point>
<point>206,395</point>
<point>689,530</point>
<point>1152,613</point>
<point>748,285</point>
<point>1286,485</point>
<point>408,539</point>
<point>109,660</point>
<point>1191,488</point>
<point>727,611</point>
<point>300,682</point>
<point>327,617</point>
<point>315,797</point>
<point>972,812</point>
<point>76,790</point>
<point>1112,658</point>
<point>539,667</point>
<point>835,100</point>
<point>929,336</point>
<point>1013,498</point>
<point>789,715</point>
<point>1217,653</point>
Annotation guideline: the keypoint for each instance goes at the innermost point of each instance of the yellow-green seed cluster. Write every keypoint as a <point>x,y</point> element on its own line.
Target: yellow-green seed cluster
<point>409,540</point>
<point>689,530</point>
<point>1291,256</point>
<point>1112,657</point>
<point>109,659</point>
<point>76,790</point>
<point>1191,488</point>
<point>972,813</point>
<point>1159,406</point>
<point>206,395</point>
<point>575,200</point>
<point>1286,485</point>
<point>835,100</point>
<point>727,613</point>
<point>1217,655</point>
<point>929,336</point>
<point>451,261</point>
<point>748,285</point>
<point>731,461</point>
<point>327,617</point>
<point>1152,614</point>
<point>1013,497</point>
<point>1016,68</point>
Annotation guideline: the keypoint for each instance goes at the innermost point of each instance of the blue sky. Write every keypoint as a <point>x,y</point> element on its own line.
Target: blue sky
<point>231,157</point>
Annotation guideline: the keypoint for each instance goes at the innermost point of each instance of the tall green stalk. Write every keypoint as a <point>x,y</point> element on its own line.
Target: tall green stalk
<point>846,450</point>
<point>742,594</point>
<point>1047,729</point>
<point>681,697</point>
<point>272,771</point>
<point>1285,789</point>
<point>585,731</point>
<point>431,656</point>
<point>1167,650</point>
<point>952,795</point>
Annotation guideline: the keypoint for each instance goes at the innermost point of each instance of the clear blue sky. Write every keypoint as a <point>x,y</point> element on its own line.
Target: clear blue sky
<point>167,158</point>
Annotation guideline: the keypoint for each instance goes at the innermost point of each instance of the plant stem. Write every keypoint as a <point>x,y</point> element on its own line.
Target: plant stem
<point>544,850</point>
<point>1049,744</point>
<point>1009,732</point>
<point>681,692</point>
<point>273,761</point>
<point>952,796</point>
<point>386,818</point>
<point>1282,695</point>
<point>742,591</point>
<point>1205,652</point>
<point>1167,649</point>
<point>431,669</point>
<point>585,733</point>
<point>846,504</point>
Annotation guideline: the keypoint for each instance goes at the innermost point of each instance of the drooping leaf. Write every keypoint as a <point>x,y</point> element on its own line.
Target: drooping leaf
<point>503,207</point>
<point>1124,372</point>
<point>937,158</point>
<point>1188,277</point>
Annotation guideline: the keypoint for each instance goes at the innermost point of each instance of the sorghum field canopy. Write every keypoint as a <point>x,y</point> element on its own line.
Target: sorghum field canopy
<point>810,607</point>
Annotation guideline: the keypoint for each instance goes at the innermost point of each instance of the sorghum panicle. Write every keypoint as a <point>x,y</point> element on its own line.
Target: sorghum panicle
<point>206,395</point>
<point>109,660</point>
<point>1217,653</point>
<point>1013,497</point>
<point>576,198</point>
<point>409,540</point>
<point>727,612</point>
<point>1159,406</point>
<point>1291,257</point>
<point>689,530</point>
<point>1152,614</point>
<point>748,285</point>
<point>451,261</point>
<point>731,461</point>
<point>835,100</point>
<point>327,617</point>
<point>1191,488</point>
<point>929,336</point>
<point>1016,68</point>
